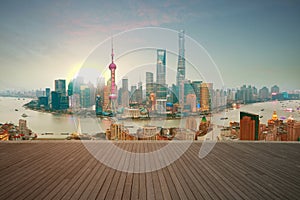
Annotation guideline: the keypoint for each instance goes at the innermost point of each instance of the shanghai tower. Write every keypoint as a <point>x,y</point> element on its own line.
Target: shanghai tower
<point>181,60</point>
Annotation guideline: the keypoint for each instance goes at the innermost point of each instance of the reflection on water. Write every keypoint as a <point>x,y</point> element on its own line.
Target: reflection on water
<point>40,122</point>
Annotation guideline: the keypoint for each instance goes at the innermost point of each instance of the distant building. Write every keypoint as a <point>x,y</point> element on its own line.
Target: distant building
<point>161,90</point>
<point>149,84</point>
<point>181,60</point>
<point>205,96</point>
<point>161,106</point>
<point>125,93</point>
<point>55,100</point>
<point>139,93</point>
<point>264,94</point>
<point>249,126</point>
<point>43,102</point>
<point>60,86</point>
<point>274,90</point>
<point>196,87</point>
<point>99,105</point>
<point>191,101</point>
<point>59,101</point>
<point>85,96</point>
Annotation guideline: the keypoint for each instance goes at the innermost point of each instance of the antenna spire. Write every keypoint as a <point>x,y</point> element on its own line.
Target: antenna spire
<point>112,49</point>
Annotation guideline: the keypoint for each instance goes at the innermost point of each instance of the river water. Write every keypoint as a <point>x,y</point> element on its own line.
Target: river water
<point>42,123</point>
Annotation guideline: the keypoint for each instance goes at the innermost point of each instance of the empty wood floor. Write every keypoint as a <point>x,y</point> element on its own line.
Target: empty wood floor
<point>69,170</point>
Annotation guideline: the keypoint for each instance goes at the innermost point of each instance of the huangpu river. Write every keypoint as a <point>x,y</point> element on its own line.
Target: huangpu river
<point>11,110</point>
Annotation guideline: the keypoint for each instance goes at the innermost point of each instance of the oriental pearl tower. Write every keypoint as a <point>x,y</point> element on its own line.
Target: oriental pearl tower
<point>113,96</point>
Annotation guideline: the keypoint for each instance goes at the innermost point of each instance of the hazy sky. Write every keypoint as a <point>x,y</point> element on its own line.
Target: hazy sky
<point>251,42</point>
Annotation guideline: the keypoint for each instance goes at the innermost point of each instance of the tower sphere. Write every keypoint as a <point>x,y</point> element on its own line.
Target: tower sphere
<point>112,66</point>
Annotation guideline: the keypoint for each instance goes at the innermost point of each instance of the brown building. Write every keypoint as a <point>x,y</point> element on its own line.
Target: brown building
<point>205,101</point>
<point>293,130</point>
<point>249,126</point>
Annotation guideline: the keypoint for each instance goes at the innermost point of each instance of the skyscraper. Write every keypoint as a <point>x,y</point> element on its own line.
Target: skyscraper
<point>60,86</point>
<point>149,84</point>
<point>161,90</point>
<point>99,103</point>
<point>140,93</point>
<point>274,90</point>
<point>125,93</point>
<point>181,60</point>
<point>205,96</point>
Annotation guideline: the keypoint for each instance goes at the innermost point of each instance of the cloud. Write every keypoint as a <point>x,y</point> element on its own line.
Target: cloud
<point>117,18</point>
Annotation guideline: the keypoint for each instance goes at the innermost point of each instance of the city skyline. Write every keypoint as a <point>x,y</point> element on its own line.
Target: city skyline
<point>253,44</point>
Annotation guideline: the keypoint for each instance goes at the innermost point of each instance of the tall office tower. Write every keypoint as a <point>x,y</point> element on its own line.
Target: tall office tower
<point>55,100</point>
<point>85,96</point>
<point>196,86</point>
<point>125,93</point>
<point>125,84</point>
<point>149,84</point>
<point>180,77</point>
<point>274,90</point>
<point>205,96</point>
<point>264,93</point>
<point>99,105</point>
<point>181,60</point>
<point>249,125</point>
<point>139,91</point>
<point>60,86</point>
<point>133,93</point>
<point>48,95</point>
<point>106,92</point>
<point>161,90</point>
<point>113,96</point>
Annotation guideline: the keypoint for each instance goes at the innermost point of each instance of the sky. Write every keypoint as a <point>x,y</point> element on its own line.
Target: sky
<point>249,42</point>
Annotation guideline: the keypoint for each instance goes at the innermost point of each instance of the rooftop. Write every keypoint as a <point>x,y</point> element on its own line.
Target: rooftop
<point>232,170</point>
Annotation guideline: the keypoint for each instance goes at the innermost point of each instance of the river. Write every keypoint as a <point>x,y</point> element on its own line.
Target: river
<point>41,123</point>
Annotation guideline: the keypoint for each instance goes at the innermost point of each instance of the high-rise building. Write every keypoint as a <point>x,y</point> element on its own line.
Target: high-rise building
<point>149,84</point>
<point>264,94</point>
<point>133,94</point>
<point>196,86</point>
<point>106,92</point>
<point>99,105</point>
<point>60,86</point>
<point>205,96</point>
<point>191,100</point>
<point>125,93</point>
<point>161,90</point>
<point>249,126</point>
<point>181,60</point>
<point>274,90</point>
<point>85,96</point>
<point>140,93</point>
<point>55,100</point>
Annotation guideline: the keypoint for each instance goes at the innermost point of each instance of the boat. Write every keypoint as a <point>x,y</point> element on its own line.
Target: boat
<point>24,115</point>
<point>223,118</point>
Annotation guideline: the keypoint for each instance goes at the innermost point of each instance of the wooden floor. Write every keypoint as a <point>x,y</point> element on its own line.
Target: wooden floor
<point>67,170</point>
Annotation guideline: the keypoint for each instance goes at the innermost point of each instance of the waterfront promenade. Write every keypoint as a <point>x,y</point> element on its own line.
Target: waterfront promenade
<point>232,170</point>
